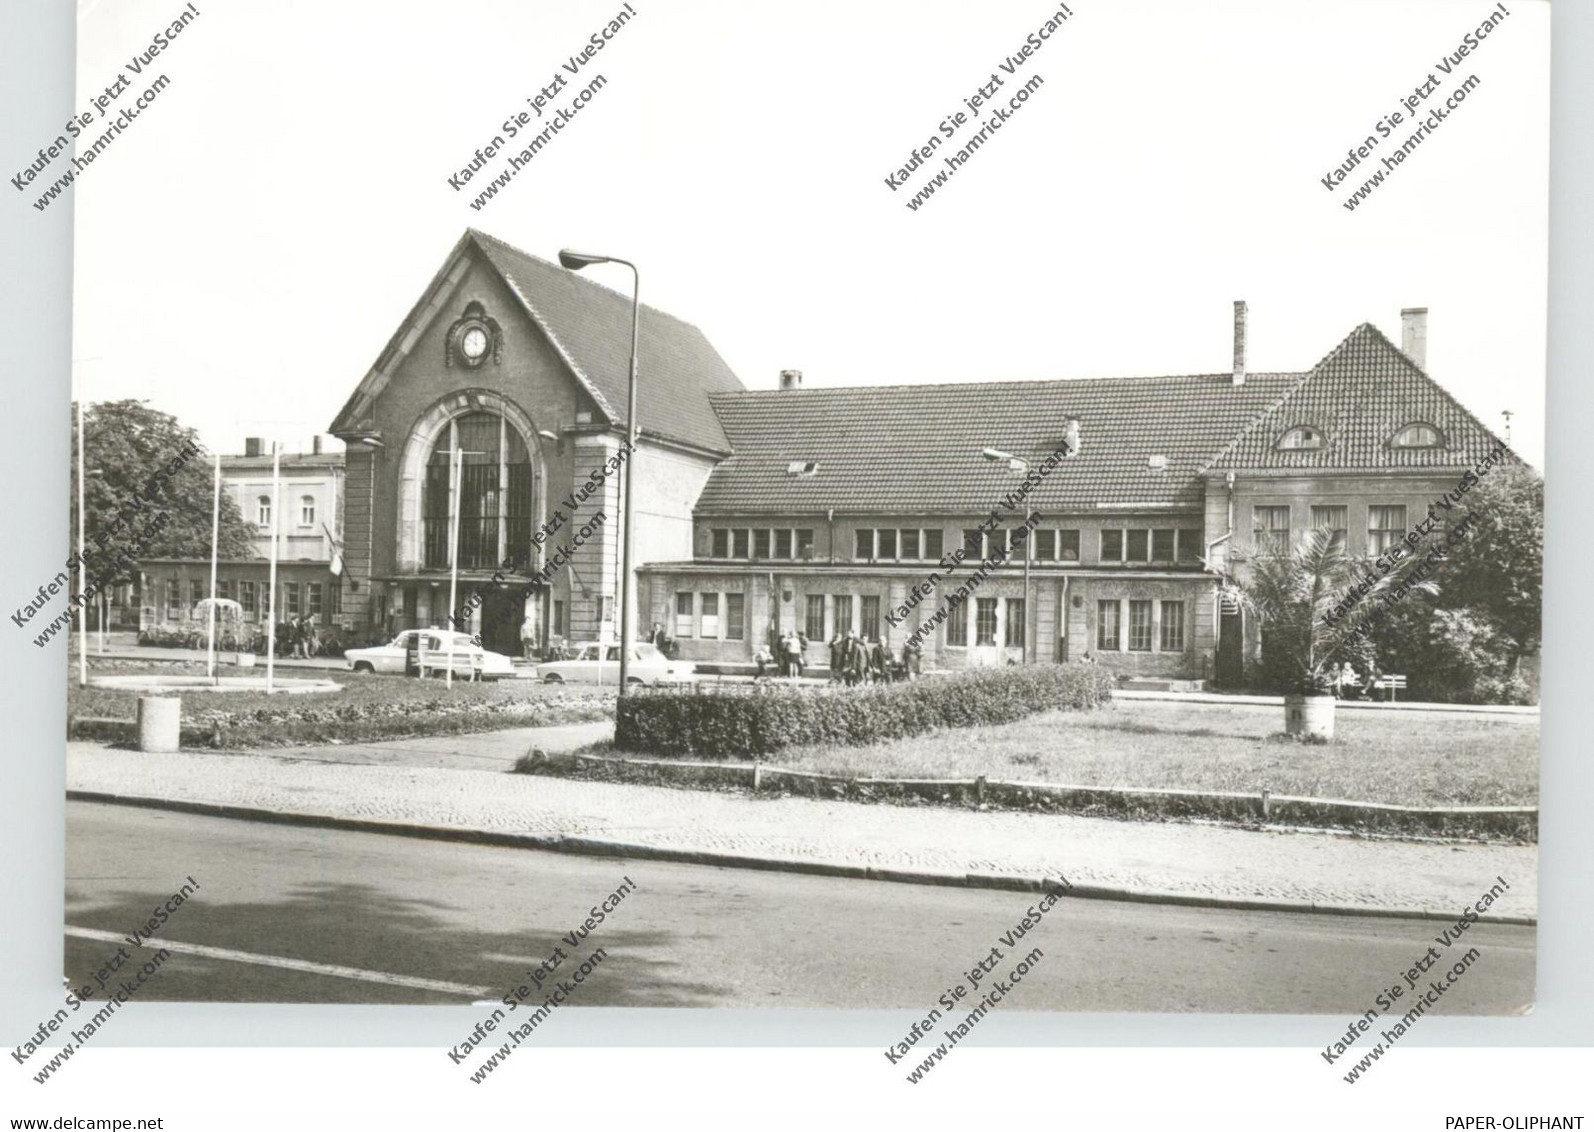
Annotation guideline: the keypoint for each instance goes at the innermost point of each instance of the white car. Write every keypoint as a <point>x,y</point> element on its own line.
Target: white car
<point>600,664</point>
<point>433,645</point>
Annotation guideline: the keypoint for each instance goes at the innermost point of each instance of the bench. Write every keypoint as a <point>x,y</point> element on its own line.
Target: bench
<point>1393,683</point>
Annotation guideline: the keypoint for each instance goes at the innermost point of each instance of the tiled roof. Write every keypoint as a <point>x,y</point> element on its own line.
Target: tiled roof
<point>590,327</point>
<point>916,448</point>
<point>1358,397</point>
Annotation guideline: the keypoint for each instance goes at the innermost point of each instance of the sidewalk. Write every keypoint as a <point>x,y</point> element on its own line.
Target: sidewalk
<point>440,784</point>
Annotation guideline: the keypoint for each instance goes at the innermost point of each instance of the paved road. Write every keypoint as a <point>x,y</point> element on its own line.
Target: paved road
<point>280,905</point>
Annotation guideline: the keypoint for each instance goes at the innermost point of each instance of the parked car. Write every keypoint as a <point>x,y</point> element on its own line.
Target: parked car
<point>600,664</point>
<point>432,647</point>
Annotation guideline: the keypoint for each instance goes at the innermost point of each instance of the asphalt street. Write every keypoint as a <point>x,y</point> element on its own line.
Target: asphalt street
<point>291,914</point>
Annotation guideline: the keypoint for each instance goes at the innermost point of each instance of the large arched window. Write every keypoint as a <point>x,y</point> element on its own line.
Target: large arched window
<point>494,493</point>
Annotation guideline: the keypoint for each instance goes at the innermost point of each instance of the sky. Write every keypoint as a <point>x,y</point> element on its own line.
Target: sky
<point>245,248</point>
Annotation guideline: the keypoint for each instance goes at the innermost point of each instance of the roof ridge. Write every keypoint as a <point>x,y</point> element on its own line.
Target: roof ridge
<point>1005,382</point>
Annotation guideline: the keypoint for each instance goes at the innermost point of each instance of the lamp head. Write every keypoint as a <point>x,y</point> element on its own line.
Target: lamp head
<point>575,261</point>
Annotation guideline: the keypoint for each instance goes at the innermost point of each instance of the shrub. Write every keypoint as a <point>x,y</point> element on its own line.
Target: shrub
<point>743,721</point>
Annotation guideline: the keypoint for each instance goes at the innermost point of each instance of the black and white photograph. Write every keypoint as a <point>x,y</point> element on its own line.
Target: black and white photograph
<point>949,520</point>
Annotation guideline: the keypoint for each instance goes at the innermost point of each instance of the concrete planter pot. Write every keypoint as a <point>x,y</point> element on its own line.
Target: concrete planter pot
<point>1309,716</point>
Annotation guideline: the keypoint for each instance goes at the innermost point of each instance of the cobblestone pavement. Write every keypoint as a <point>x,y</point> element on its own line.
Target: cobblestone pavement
<point>1188,859</point>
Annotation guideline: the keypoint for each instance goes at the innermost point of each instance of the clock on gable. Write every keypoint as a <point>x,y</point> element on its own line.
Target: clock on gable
<point>472,338</point>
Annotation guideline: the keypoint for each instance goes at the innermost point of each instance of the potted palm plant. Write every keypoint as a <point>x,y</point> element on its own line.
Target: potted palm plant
<point>1296,597</point>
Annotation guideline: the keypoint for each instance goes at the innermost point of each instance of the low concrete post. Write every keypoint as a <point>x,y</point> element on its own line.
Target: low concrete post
<point>159,723</point>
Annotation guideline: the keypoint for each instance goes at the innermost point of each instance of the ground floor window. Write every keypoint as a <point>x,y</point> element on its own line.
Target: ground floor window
<point>815,617</point>
<point>1139,626</point>
<point>246,596</point>
<point>1172,626</point>
<point>869,622</point>
<point>224,589</point>
<point>985,621</point>
<point>290,599</point>
<point>312,599</point>
<point>1015,623</point>
<point>709,622</point>
<point>683,614</point>
<point>196,593</point>
<point>561,627</point>
<point>1107,626</point>
<point>957,626</point>
<point>174,598</point>
<point>735,617</point>
<point>842,605</point>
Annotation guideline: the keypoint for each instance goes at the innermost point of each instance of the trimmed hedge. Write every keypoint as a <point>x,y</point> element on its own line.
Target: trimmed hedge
<point>741,722</point>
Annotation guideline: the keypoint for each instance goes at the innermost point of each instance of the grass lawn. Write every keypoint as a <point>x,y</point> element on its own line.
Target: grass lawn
<point>1401,758</point>
<point>368,707</point>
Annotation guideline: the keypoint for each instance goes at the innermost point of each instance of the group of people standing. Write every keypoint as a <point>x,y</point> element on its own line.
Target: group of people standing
<point>298,637</point>
<point>855,659</point>
<point>787,656</point>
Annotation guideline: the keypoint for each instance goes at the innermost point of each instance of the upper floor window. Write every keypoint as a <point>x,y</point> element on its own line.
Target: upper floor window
<point>761,542</point>
<point>1417,436</point>
<point>1272,527</point>
<point>1386,525</point>
<point>1158,544</point>
<point>1301,437</point>
<point>263,511</point>
<point>1335,519</point>
<point>1056,545</point>
<point>893,544</point>
<point>307,510</point>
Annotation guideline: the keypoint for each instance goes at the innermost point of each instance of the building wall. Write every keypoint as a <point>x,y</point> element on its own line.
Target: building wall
<point>1060,602</point>
<point>296,541</point>
<point>1356,493</point>
<point>529,374</point>
<point>294,593</point>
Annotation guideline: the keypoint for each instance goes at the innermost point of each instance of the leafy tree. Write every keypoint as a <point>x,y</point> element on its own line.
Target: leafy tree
<point>128,443</point>
<point>1465,642</point>
<point>1496,570</point>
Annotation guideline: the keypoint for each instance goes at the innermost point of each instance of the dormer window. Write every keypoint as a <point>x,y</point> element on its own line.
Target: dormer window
<point>1301,438</point>
<point>1417,436</point>
<point>801,468</point>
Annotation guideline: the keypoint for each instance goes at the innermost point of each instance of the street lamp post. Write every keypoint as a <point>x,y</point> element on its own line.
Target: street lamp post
<point>575,261</point>
<point>1018,464</point>
<point>453,553</point>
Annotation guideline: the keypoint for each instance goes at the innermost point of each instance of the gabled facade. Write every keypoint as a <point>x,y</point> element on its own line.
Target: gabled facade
<point>521,366</point>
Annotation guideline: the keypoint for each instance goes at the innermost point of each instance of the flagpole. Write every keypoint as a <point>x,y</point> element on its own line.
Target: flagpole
<point>215,535</point>
<point>83,606</point>
<point>271,599</point>
<point>453,558</point>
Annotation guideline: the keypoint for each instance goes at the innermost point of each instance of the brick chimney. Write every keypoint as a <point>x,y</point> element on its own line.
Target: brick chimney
<point>791,379</point>
<point>315,444</point>
<point>1414,335</point>
<point>251,446</point>
<point>1239,342</point>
